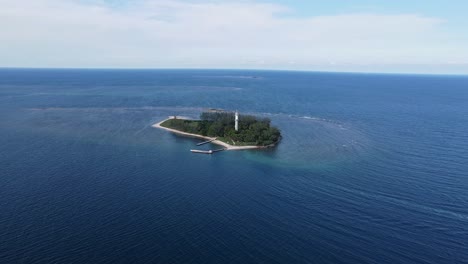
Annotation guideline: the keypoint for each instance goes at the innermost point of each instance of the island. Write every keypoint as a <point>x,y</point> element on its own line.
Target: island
<point>227,129</point>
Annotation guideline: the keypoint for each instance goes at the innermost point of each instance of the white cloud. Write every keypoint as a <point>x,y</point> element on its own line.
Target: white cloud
<point>167,33</point>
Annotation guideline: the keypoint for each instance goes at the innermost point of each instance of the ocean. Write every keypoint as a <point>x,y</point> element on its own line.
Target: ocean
<point>372,168</point>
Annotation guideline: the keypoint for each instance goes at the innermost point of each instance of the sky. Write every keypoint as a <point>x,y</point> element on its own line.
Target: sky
<point>398,36</point>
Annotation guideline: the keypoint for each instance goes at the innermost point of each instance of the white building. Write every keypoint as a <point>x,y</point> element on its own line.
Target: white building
<point>236,127</point>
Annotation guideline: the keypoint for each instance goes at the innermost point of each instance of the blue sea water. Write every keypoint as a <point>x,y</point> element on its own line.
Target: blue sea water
<point>371,169</point>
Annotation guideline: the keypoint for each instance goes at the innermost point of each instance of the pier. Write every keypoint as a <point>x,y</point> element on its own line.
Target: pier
<point>211,151</point>
<point>206,142</point>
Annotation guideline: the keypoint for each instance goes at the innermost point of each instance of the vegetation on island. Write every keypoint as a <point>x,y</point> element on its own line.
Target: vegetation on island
<point>252,130</point>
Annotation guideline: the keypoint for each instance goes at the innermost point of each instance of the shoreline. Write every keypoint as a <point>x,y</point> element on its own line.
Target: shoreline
<point>215,141</point>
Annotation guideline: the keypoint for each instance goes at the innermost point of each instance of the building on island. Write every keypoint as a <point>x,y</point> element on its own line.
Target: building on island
<point>236,126</point>
<point>222,111</point>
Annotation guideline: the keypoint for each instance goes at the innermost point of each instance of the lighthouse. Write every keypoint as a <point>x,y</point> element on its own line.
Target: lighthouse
<point>236,126</point>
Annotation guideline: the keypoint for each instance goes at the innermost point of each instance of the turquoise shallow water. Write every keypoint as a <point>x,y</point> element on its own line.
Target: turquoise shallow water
<point>371,169</point>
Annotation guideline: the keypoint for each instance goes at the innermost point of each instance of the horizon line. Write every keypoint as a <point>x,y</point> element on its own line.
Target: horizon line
<point>236,69</point>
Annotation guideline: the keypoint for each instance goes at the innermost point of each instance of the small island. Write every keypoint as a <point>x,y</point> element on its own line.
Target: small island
<point>228,129</point>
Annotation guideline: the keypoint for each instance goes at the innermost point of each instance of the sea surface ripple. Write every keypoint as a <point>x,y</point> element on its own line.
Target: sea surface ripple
<point>371,169</point>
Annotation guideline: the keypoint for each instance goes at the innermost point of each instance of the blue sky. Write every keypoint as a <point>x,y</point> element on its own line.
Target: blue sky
<point>444,8</point>
<point>335,35</point>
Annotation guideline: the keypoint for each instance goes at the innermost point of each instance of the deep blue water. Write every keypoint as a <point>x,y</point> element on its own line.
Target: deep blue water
<point>371,169</point>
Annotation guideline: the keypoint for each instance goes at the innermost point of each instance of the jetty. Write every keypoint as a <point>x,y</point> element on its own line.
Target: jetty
<point>211,151</point>
<point>206,142</point>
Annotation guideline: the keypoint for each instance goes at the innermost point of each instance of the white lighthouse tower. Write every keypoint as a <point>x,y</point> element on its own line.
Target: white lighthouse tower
<point>236,127</point>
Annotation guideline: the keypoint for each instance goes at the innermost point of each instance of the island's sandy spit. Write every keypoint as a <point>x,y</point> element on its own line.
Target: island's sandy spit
<point>217,142</point>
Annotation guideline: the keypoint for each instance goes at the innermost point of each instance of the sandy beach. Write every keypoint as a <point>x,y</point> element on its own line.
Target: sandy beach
<point>215,141</point>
